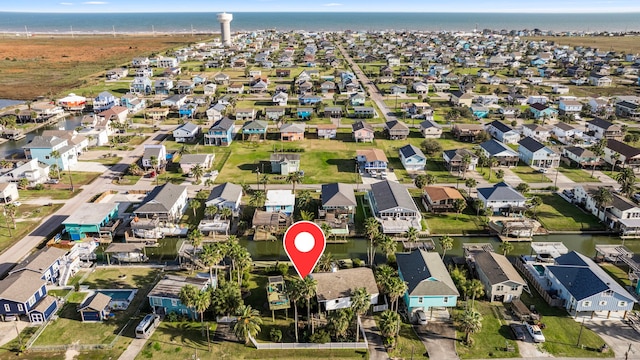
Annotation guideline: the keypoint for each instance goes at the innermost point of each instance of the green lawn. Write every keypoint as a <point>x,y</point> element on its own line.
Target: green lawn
<point>446,223</point>
<point>74,330</point>
<point>409,346</point>
<point>529,174</point>
<point>61,190</point>
<point>112,160</point>
<point>492,339</point>
<point>485,175</point>
<point>577,175</point>
<point>556,214</point>
<point>562,331</point>
<point>27,218</point>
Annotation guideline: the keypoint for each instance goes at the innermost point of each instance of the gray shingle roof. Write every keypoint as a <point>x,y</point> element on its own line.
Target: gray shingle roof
<point>193,158</point>
<point>338,194</point>
<point>361,125</point>
<point>425,274</point>
<point>169,287</point>
<point>292,128</point>
<point>96,302</point>
<point>500,192</point>
<point>44,142</point>
<point>161,199</point>
<point>497,268</point>
<point>341,284</point>
<point>226,191</point>
<point>188,127</point>
<point>255,125</point>
<point>390,195</point>
<point>40,260</point>
<point>19,287</point>
<point>281,157</point>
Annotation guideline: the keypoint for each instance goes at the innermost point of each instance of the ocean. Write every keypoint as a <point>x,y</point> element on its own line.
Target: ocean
<point>335,21</point>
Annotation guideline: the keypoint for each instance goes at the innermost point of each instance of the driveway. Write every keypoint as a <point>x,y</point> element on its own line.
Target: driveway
<point>618,335</point>
<point>377,350</point>
<point>509,176</point>
<point>439,338</point>
<point>8,330</point>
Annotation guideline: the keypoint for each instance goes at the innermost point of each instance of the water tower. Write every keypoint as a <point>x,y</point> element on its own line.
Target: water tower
<point>225,28</point>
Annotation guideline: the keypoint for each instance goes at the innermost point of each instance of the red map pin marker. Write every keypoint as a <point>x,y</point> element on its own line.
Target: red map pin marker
<point>304,243</point>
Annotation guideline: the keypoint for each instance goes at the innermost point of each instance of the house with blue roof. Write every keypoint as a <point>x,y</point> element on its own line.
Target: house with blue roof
<point>586,287</point>
<point>501,199</point>
<point>494,149</point>
<point>503,132</point>
<point>534,153</point>
<point>220,133</point>
<point>412,158</point>
<point>309,100</point>
<point>429,284</point>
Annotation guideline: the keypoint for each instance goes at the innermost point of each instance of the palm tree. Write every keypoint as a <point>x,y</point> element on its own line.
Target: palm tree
<point>4,163</point>
<point>506,247</point>
<point>305,200</point>
<point>326,229</point>
<point>226,213</point>
<point>134,169</point>
<point>194,204</point>
<point>248,323</point>
<point>412,234</point>
<point>535,202</point>
<point>627,180</point>
<point>360,302</point>
<point>197,172</point>
<point>195,237</point>
<point>10,211</point>
<point>387,245</point>
<point>431,179</point>
<point>384,274</point>
<point>257,198</point>
<point>307,215</point>
<point>493,162</point>
<point>326,261</point>
<point>603,198</point>
<point>475,288</point>
<point>294,178</point>
<point>308,287</point>
<point>389,324</point>
<point>211,256</point>
<point>470,183</point>
<point>294,293</point>
<point>523,188</point>
<point>466,161</point>
<point>371,229</point>
<point>189,295</point>
<point>55,154</point>
<point>210,211</point>
<point>459,205</point>
<point>614,160</point>
<point>338,321</point>
<point>395,289</point>
<point>447,244</point>
<point>470,322</point>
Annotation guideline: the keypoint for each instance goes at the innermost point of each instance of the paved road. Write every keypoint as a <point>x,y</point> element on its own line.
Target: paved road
<point>377,350</point>
<point>50,223</point>
<point>374,94</point>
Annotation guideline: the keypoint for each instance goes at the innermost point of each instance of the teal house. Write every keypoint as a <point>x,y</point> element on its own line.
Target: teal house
<point>428,281</point>
<point>92,219</point>
<point>255,128</point>
<point>164,298</point>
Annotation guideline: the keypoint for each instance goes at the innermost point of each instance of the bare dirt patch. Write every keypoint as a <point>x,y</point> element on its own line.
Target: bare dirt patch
<point>47,65</point>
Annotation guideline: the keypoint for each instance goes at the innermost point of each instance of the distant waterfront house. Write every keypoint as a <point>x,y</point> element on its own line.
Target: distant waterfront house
<point>166,202</point>
<point>362,132</point>
<point>534,153</point>
<point>220,133</point>
<point>440,198</point>
<point>429,284</point>
<point>104,101</point>
<point>227,195</point>
<point>412,158</point>
<point>188,132</point>
<point>41,148</point>
<point>164,298</point>
<point>73,102</point>
<point>393,206</point>
<point>338,201</point>
<point>92,219</point>
<point>501,281</point>
<point>284,163</point>
<point>501,198</point>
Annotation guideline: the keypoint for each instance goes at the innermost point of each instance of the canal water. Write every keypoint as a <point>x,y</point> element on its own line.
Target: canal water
<point>357,248</point>
<point>9,148</point>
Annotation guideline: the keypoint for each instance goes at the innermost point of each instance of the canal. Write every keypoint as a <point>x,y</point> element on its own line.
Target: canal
<point>9,148</point>
<point>357,248</point>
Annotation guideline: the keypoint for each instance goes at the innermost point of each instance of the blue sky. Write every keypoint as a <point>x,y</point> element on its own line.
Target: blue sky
<point>548,6</point>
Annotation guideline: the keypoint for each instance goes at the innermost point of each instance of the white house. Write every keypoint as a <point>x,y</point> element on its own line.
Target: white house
<point>227,195</point>
<point>412,158</point>
<point>430,129</point>
<point>502,132</point>
<point>501,198</point>
<point>152,151</point>
<point>569,107</point>
<point>280,201</point>
<point>566,133</point>
<point>188,132</point>
<point>538,132</point>
<point>8,192</point>
<point>335,289</point>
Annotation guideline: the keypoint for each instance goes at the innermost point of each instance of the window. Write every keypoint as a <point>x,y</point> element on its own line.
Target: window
<point>174,302</point>
<point>7,307</point>
<point>500,288</point>
<point>445,299</point>
<point>20,307</point>
<point>586,304</point>
<point>602,303</point>
<point>156,301</point>
<point>420,300</point>
<point>622,303</point>
<point>514,288</point>
<point>608,293</point>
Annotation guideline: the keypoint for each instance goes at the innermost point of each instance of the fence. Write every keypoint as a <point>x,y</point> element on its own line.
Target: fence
<point>326,346</point>
<point>536,285</point>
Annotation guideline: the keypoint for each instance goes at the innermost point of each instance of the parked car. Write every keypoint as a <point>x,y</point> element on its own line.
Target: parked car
<point>535,332</point>
<point>518,332</point>
<point>16,203</point>
<point>52,181</point>
<point>542,170</point>
<point>422,317</point>
<point>636,197</point>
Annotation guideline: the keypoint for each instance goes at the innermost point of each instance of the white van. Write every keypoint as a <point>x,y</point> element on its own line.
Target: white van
<point>147,326</point>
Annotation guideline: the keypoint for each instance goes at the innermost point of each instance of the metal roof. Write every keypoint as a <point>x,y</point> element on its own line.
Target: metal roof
<point>425,274</point>
<point>390,194</point>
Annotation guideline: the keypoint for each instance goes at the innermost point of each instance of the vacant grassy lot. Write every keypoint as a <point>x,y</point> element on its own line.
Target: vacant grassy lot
<point>42,65</point>
<point>491,341</point>
<point>529,174</point>
<point>577,175</point>
<point>561,332</point>
<point>27,218</point>
<point>626,44</point>
<point>449,223</point>
<point>556,214</point>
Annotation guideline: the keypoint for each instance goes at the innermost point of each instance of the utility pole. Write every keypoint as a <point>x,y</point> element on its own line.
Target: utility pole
<point>580,334</point>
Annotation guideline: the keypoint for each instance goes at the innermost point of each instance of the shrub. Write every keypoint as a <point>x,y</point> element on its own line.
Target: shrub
<point>357,262</point>
<point>172,317</point>
<point>39,187</point>
<point>275,335</point>
<point>320,337</point>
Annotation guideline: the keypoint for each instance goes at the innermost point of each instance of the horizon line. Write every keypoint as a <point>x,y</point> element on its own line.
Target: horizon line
<point>595,11</point>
